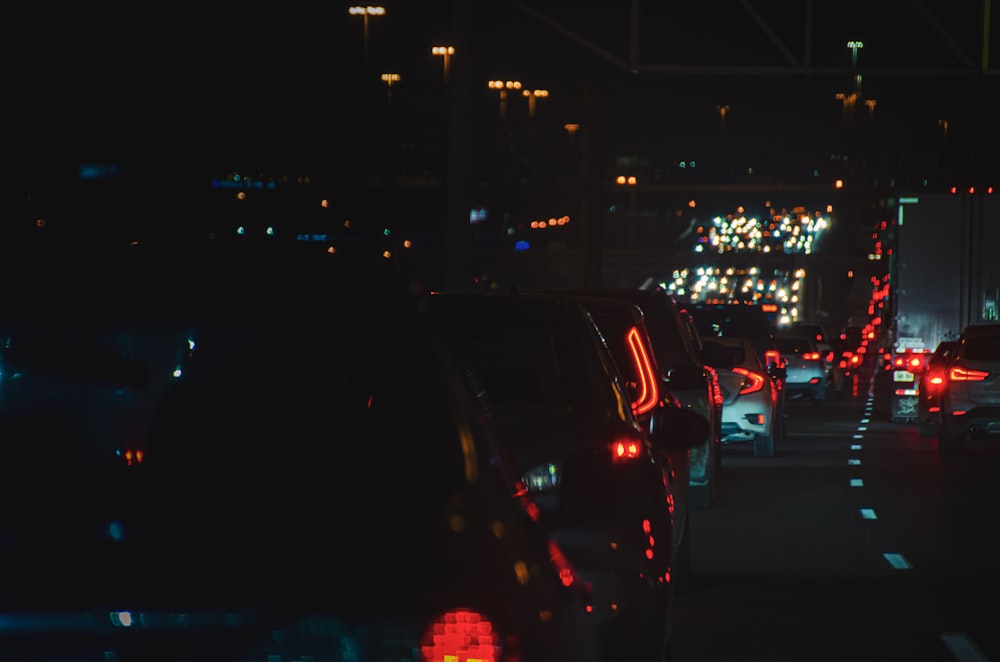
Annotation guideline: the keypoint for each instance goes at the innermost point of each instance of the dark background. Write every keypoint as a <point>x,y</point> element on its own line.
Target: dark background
<point>173,96</point>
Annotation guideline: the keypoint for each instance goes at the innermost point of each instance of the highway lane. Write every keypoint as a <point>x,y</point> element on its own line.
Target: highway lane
<point>855,542</point>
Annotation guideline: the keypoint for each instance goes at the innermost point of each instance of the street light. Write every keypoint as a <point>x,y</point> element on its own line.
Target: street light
<point>365,12</point>
<point>390,80</point>
<point>871,103</point>
<point>723,111</point>
<point>848,99</point>
<point>855,46</point>
<point>445,52</point>
<point>502,86</point>
<point>630,181</point>
<point>531,96</point>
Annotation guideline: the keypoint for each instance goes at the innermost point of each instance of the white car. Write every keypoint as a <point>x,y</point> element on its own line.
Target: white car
<point>749,394</point>
<point>805,368</point>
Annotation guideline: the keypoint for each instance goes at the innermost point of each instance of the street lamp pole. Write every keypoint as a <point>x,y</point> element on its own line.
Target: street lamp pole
<point>502,86</point>
<point>723,111</point>
<point>390,80</point>
<point>855,46</point>
<point>364,12</point>
<point>531,96</point>
<point>445,52</point>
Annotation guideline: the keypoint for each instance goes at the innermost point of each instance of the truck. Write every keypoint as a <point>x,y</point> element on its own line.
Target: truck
<point>943,276</point>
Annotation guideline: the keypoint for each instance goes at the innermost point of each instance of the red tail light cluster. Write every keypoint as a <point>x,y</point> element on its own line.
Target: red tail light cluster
<point>626,450</point>
<point>752,382</point>
<point>648,390</point>
<point>960,374</point>
<point>461,634</point>
<point>811,356</point>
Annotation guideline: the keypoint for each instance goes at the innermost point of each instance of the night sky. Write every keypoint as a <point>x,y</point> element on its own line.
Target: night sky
<point>220,85</point>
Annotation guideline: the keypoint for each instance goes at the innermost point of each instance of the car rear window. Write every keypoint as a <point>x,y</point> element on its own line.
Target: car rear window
<point>793,345</point>
<point>731,320</point>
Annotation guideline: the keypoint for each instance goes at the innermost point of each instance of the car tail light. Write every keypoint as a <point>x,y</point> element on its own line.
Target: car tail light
<point>830,356</point>
<point>713,384</point>
<point>772,357</point>
<point>131,457</point>
<point>648,390</point>
<point>811,356</point>
<point>626,450</point>
<point>752,382</point>
<point>567,573</point>
<point>935,380</point>
<point>461,634</point>
<point>960,374</point>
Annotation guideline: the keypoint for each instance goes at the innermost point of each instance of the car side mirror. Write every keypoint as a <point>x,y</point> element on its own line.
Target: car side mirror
<point>676,429</point>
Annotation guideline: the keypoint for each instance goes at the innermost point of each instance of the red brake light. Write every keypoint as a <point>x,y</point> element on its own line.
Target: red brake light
<point>830,356</point>
<point>811,356</point>
<point>461,634</point>
<point>625,450</point>
<point>772,356</point>
<point>960,374</point>
<point>648,394</point>
<point>752,382</point>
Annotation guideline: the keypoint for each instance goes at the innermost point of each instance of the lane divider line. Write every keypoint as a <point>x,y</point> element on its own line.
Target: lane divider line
<point>897,561</point>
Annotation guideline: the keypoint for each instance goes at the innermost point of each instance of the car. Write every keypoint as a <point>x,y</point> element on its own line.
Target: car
<point>970,396</point>
<point>624,327</point>
<point>805,368</point>
<point>930,380</point>
<point>750,397</point>
<point>687,376</point>
<point>304,486</point>
<point>823,343</point>
<point>592,468</point>
<point>753,323</point>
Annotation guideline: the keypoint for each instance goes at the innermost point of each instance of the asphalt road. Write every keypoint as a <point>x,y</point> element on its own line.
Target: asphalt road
<point>856,541</point>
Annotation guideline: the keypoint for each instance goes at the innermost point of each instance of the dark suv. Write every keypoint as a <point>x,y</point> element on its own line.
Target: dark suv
<point>970,396</point>
<point>624,327</point>
<point>688,377</point>
<point>593,471</point>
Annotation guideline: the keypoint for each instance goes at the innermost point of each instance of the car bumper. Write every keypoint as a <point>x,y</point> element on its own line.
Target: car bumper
<point>976,422</point>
